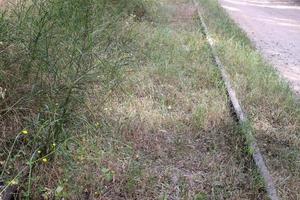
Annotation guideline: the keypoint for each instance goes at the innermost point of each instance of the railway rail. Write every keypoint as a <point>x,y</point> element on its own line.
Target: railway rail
<point>240,114</point>
<point>237,111</point>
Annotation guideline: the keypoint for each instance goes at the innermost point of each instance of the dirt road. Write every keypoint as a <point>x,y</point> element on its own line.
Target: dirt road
<point>274,27</point>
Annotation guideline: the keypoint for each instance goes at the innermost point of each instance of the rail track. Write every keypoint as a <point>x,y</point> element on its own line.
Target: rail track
<point>240,114</point>
<point>237,112</point>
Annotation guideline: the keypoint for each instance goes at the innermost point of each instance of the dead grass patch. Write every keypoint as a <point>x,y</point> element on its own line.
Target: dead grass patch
<point>272,108</point>
<point>169,135</point>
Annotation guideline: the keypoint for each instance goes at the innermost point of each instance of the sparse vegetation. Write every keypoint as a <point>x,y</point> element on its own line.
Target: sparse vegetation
<point>122,100</point>
<point>270,104</point>
<point>170,135</point>
<point>52,52</point>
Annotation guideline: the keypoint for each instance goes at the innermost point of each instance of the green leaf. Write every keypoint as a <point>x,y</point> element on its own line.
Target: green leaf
<point>59,189</point>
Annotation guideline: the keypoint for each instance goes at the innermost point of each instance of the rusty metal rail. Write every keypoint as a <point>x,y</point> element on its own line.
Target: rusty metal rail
<point>242,117</point>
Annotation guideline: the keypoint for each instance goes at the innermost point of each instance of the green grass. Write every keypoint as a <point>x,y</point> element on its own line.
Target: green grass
<point>268,100</point>
<point>167,131</point>
<point>120,99</point>
<point>52,53</point>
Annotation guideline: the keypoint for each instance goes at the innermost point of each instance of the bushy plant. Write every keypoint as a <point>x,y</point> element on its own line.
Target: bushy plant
<point>52,52</point>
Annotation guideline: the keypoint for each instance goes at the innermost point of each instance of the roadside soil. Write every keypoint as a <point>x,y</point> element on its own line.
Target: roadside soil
<point>274,27</point>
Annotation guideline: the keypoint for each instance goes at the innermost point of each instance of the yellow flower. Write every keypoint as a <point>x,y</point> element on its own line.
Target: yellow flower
<point>13,182</point>
<point>45,160</point>
<point>53,145</point>
<point>25,132</point>
<point>39,151</point>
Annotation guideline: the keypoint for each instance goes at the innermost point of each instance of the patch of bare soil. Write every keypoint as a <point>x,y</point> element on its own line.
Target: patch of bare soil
<point>182,14</point>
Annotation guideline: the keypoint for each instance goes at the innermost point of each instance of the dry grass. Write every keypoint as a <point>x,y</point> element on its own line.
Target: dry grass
<point>51,53</point>
<point>167,133</point>
<point>271,105</point>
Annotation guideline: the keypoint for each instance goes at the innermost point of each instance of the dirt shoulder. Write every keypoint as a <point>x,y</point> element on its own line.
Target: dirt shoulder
<point>274,27</point>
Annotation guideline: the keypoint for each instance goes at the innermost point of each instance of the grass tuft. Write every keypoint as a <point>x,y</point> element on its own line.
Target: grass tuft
<point>271,105</point>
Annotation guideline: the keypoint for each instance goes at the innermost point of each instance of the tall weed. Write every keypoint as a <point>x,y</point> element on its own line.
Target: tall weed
<point>52,52</point>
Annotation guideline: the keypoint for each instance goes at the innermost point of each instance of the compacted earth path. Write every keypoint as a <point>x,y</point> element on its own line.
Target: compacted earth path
<point>274,27</point>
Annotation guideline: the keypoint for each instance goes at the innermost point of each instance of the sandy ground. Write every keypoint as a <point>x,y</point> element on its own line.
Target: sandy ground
<point>274,27</point>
